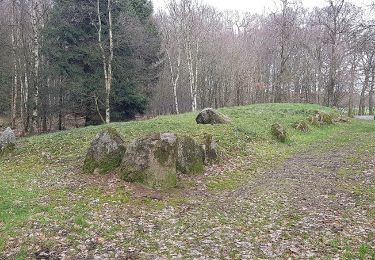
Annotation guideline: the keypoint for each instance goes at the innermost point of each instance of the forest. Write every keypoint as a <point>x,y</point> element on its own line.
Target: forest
<point>70,63</point>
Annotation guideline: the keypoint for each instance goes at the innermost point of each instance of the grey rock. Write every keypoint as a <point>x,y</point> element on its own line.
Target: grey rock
<point>210,149</point>
<point>105,152</point>
<point>279,132</point>
<point>7,140</point>
<point>151,161</point>
<point>211,116</point>
<point>190,156</point>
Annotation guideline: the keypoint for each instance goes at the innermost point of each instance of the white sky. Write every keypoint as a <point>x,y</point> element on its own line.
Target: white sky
<point>256,6</point>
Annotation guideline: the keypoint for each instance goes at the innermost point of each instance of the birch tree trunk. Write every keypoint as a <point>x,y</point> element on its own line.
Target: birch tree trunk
<point>36,47</point>
<point>15,68</point>
<point>351,87</point>
<point>175,78</point>
<point>107,62</point>
<point>371,93</point>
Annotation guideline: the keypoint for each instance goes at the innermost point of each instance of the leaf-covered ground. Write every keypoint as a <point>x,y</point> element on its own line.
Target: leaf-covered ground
<point>312,197</point>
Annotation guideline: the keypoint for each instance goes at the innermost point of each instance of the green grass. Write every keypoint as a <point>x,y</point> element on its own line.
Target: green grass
<point>33,177</point>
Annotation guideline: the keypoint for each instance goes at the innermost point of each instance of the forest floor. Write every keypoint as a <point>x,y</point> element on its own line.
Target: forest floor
<point>313,197</point>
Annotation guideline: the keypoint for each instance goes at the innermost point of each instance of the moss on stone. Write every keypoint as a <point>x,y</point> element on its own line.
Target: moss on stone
<point>162,154</point>
<point>301,125</point>
<point>168,180</point>
<point>190,158</point>
<point>313,120</point>
<point>279,132</point>
<point>8,148</point>
<point>105,152</point>
<point>151,161</point>
<point>209,149</point>
<point>326,118</point>
<point>105,165</point>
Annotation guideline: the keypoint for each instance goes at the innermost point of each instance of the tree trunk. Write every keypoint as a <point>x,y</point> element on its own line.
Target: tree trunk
<point>35,114</point>
<point>371,93</point>
<point>107,64</point>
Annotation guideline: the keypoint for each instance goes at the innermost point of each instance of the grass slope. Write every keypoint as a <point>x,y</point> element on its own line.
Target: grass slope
<point>41,184</point>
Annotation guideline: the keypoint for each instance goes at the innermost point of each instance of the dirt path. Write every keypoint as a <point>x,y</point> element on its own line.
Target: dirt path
<point>305,208</point>
<point>365,117</point>
<point>308,207</point>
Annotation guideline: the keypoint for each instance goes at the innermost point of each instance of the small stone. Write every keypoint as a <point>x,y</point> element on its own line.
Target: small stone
<point>210,149</point>
<point>279,132</point>
<point>301,125</point>
<point>7,141</point>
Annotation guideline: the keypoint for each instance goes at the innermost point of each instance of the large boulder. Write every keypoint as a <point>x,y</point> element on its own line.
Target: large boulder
<point>190,156</point>
<point>105,152</point>
<point>151,160</point>
<point>7,141</point>
<point>211,116</point>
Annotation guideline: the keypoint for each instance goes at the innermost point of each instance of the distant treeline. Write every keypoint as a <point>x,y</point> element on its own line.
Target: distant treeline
<point>97,61</point>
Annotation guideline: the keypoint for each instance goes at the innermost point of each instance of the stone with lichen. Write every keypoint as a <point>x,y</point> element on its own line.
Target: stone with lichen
<point>279,132</point>
<point>210,149</point>
<point>301,125</point>
<point>151,161</point>
<point>190,156</point>
<point>211,116</point>
<point>105,152</point>
<point>7,141</point>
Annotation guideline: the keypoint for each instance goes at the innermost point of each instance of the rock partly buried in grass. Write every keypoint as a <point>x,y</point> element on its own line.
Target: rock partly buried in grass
<point>325,118</point>
<point>342,119</point>
<point>314,120</point>
<point>301,125</point>
<point>7,141</point>
<point>151,161</point>
<point>211,116</point>
<point>279,132</point>
<point>190,156</point>
<point>105,152</point>
<point>321,118</point>
<point>210,149</point>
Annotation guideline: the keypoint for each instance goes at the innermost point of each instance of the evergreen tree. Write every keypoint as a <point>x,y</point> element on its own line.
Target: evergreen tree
<point>74,54</point>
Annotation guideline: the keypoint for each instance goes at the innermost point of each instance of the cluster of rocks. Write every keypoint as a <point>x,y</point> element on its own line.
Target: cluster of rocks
<point>320,118</point>
<point>317,119</point>
<point>154,160</point>
<point>7,141</point>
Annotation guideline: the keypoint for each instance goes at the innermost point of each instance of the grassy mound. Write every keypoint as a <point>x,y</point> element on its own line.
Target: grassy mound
<point>41,180</point>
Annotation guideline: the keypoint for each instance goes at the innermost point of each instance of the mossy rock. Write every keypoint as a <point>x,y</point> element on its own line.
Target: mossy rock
<point>105,152</point>
<point>151,161</point>
<point>342,119</point>
<point>210,149</point>
<point>211,116</point>
<point>190,156</point>
<point>326,118</point>
<point>279,132</point>
<point>302,126</point>
<point>313,120</point>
